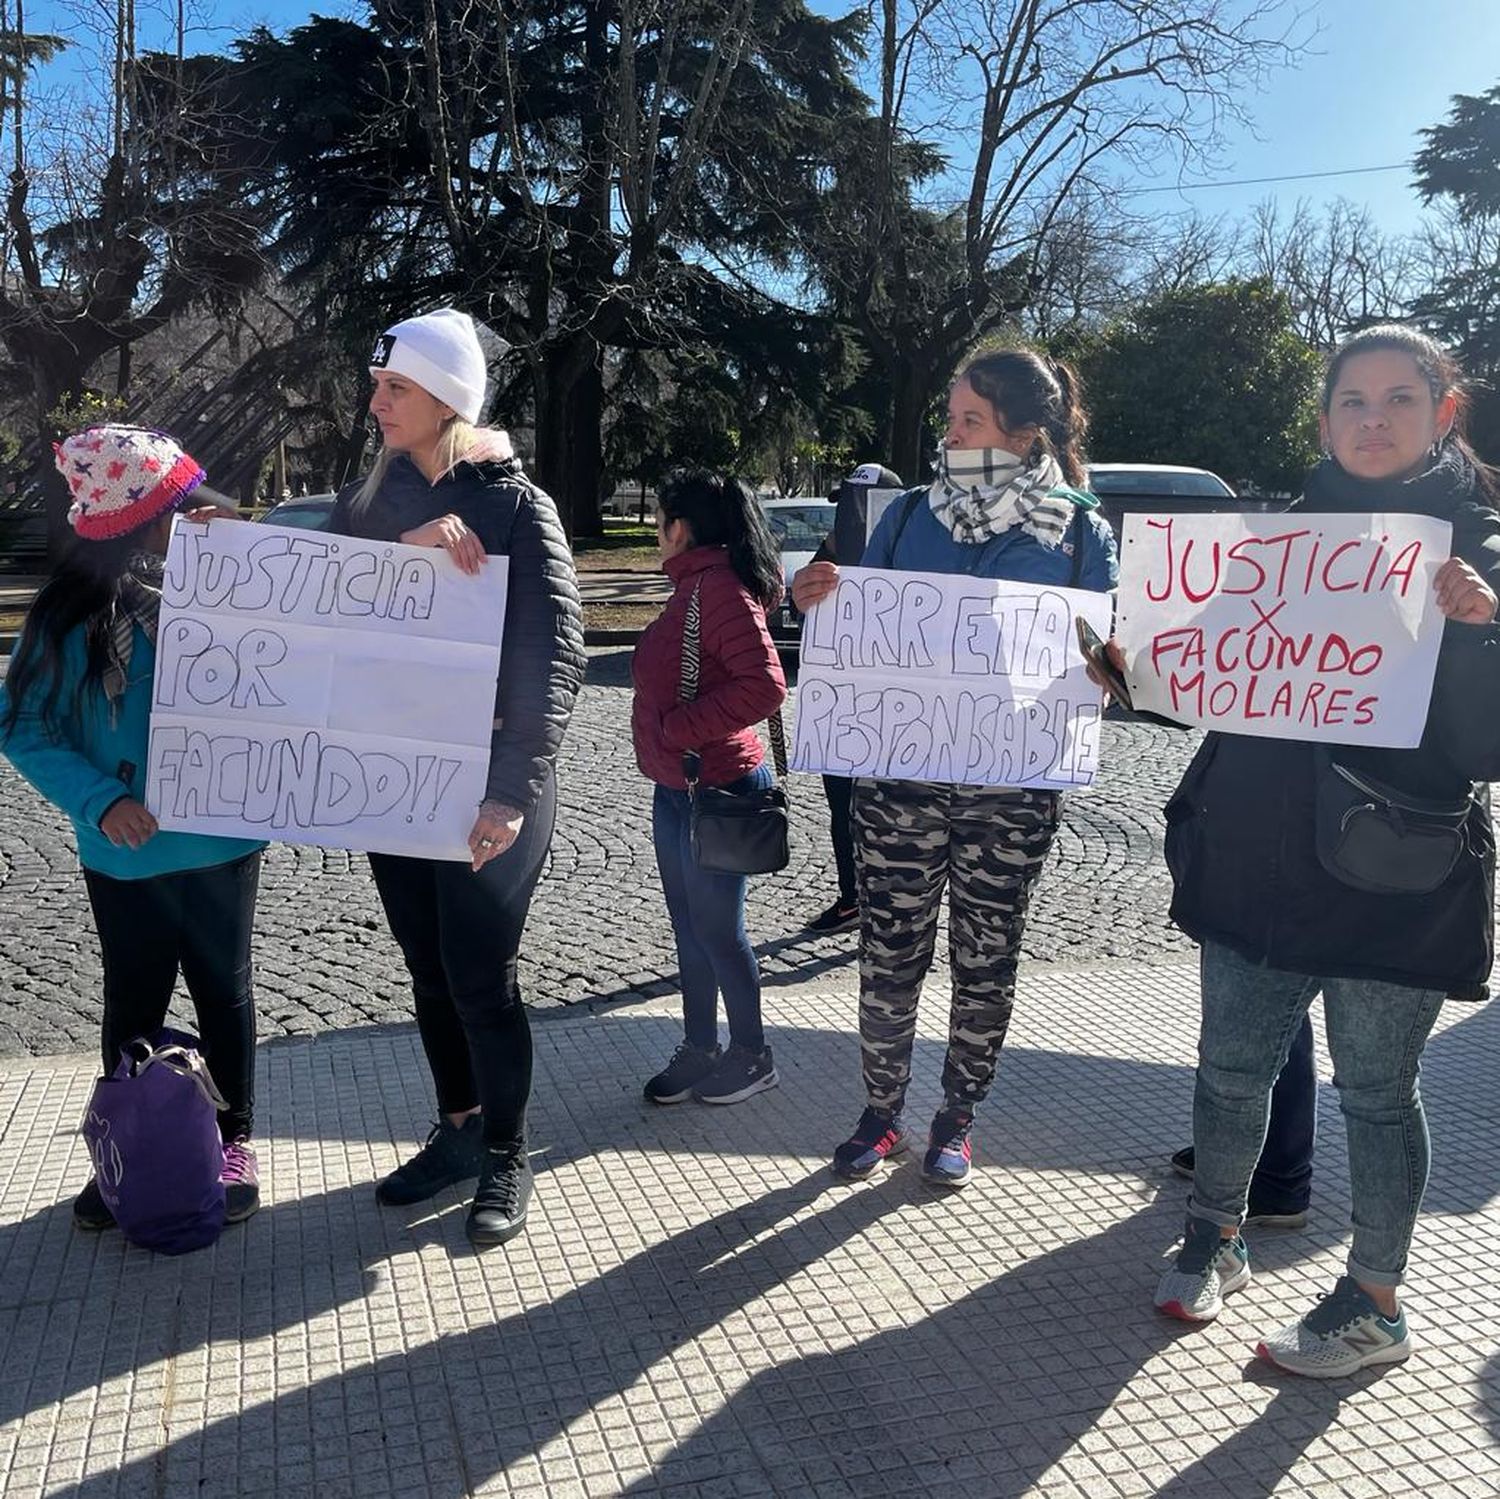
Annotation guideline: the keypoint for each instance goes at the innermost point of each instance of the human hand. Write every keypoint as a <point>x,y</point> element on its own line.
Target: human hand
<point>814,582</point>
<point>202,514</point>
<point>1463,595</point>
<point>495,829</point>
<point>454,537</point>
<point>127,823</point>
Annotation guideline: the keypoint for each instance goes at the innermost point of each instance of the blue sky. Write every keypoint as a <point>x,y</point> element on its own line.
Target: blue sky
<point>1380,71</point>
<point>1377,72</point>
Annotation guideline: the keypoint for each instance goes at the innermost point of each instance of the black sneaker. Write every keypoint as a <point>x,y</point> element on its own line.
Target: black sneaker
<point>741,1074</point>
<point>949,1161</point>
<point>502,1197</point>
<point>1258,1213</point>
<point>841,916</point>
<point>877,1137</point>
<point>689,1066</point>
<point>89,1210</point>
<point>450,1155</point>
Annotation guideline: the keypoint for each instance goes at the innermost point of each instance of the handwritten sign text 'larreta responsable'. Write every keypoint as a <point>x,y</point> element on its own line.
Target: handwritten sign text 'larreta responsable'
<point>929,677</point>
<point>1292,626</point>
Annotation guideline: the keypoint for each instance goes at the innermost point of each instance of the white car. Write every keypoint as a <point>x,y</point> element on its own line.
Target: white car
<point>1132,488</point>
<point>800,525</point>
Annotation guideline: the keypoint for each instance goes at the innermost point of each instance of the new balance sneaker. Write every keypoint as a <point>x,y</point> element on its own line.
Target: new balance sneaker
<point>502,1197</point>
<point>241,1178</point>
<point>89,1210</point>
<point>950,1153</point>
<point>1259,1213</point>
<point>1207,1269</point>
<point>841,916</point>
<point>450,1155</point>
<point>877,1137</point>
<point>740,1074</point>
<point>1342,1334</point>
<point>689,1066</point>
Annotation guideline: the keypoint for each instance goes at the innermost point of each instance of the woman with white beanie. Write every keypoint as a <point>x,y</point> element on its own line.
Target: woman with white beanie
<point>441,480</point>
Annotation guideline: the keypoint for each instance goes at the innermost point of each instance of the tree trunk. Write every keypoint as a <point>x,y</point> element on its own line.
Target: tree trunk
<point>913,388</point>
<point>569,438</point>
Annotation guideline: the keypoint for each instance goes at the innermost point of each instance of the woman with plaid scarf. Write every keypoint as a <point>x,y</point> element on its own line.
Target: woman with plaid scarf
<point>1008,501</point>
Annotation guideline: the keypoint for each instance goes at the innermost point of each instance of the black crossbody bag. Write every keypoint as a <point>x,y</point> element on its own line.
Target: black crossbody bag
<point>1373,837</point>
<point>732,834</point>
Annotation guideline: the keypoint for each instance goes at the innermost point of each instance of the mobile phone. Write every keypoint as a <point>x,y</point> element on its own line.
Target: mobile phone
<point>1097,657</point>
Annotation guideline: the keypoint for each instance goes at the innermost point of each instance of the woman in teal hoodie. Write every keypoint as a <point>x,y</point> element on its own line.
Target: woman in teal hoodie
<point>75,720</point>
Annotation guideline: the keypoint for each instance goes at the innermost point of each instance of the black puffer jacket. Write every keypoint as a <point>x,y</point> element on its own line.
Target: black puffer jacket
<point>1240,845</point>
<point>542,662</point>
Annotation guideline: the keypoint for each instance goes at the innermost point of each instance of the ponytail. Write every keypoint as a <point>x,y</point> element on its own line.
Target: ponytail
<point>721,511</point>
<point>1028,389</point>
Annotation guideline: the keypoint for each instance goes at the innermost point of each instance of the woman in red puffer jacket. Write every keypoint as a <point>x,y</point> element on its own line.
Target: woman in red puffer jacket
<point>715,545</point>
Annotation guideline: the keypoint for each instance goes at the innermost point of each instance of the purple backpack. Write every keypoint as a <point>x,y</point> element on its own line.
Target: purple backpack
<point>153,1135</point>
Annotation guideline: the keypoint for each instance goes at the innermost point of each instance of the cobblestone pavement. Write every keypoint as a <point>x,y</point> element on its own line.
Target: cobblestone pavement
<point>699,1310</point>
<point>599,927</point>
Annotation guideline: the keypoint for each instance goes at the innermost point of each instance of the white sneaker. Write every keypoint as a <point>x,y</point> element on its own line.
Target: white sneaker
<point>1207,1269</point>
<point>1342,1334</point>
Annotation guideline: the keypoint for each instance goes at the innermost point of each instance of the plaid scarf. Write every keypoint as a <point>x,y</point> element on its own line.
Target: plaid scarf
<point>138,603</point>
<point>981,492</point>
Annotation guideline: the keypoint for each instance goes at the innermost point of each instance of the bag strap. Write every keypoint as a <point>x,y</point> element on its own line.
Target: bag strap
<point>692,651</point>
<point>1078,530</point>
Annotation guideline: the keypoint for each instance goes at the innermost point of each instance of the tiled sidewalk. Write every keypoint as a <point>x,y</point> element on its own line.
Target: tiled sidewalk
<point>698,1307</point>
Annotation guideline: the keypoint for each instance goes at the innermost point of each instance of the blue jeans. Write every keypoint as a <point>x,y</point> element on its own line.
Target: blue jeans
<point>708,923</point>
<point>1376,1032</point>
<point>1283,1178</point>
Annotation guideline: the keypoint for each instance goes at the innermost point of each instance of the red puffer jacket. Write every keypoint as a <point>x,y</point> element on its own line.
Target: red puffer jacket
<point>740,681</point>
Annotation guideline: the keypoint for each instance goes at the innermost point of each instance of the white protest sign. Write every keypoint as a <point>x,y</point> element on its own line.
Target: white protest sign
<point>321,689</point>
<point>1296,626</point>
<point>930,677</point>
<point>877,502</point>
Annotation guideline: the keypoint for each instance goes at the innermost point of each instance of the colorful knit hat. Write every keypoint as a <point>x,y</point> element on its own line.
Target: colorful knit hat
<point>122,478</point>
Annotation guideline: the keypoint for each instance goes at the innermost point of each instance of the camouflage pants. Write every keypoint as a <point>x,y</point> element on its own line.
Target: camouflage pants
<point>911,839</point>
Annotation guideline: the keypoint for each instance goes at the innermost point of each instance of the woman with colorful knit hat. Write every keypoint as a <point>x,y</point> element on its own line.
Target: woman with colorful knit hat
<point>74,720</point>
<point>440,480</point>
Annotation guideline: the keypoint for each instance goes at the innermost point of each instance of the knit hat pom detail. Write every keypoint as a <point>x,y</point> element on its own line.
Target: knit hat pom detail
<point>122,478</point>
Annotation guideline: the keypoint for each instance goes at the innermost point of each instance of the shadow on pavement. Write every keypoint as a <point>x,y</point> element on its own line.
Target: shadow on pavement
<point>1016,1371</point>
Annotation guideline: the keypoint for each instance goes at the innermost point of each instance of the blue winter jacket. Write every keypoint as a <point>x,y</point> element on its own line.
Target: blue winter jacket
<point>910,537</point>
<point>97,762</point>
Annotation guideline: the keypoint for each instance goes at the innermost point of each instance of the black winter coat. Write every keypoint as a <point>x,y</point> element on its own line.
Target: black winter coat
<point>542,661</point>
<point>1239,840</point>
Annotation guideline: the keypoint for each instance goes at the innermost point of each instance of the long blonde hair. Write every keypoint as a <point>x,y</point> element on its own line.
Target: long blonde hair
<point>460,439</point>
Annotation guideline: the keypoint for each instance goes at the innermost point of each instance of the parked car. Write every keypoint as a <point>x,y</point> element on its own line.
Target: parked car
<point>800,525</point>
<point>1164,488</point>
<point>309,512</point>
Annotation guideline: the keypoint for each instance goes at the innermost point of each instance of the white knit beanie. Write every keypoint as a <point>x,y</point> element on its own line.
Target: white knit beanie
<point>440,352</point>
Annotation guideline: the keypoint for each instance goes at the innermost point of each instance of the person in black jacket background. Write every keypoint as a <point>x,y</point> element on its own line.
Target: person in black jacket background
<point>1278,925</point>
<point>441,481</point>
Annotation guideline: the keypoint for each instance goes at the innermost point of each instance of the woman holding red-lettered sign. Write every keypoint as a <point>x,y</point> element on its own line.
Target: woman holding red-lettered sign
<point>1363,874</point>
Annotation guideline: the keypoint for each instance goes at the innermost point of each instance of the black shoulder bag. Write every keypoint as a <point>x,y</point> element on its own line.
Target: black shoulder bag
<point>733,834</point>
<point>1375,838</point>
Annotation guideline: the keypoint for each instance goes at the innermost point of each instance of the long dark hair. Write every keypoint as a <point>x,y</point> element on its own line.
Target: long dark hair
<point>1028,389</point>
<point>1443,374</point>
<point>720,511</point>
<point>80,594</point>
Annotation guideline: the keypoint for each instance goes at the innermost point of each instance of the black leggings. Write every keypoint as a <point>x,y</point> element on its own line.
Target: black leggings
<point>198,920</point>
<point>459,933</point>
